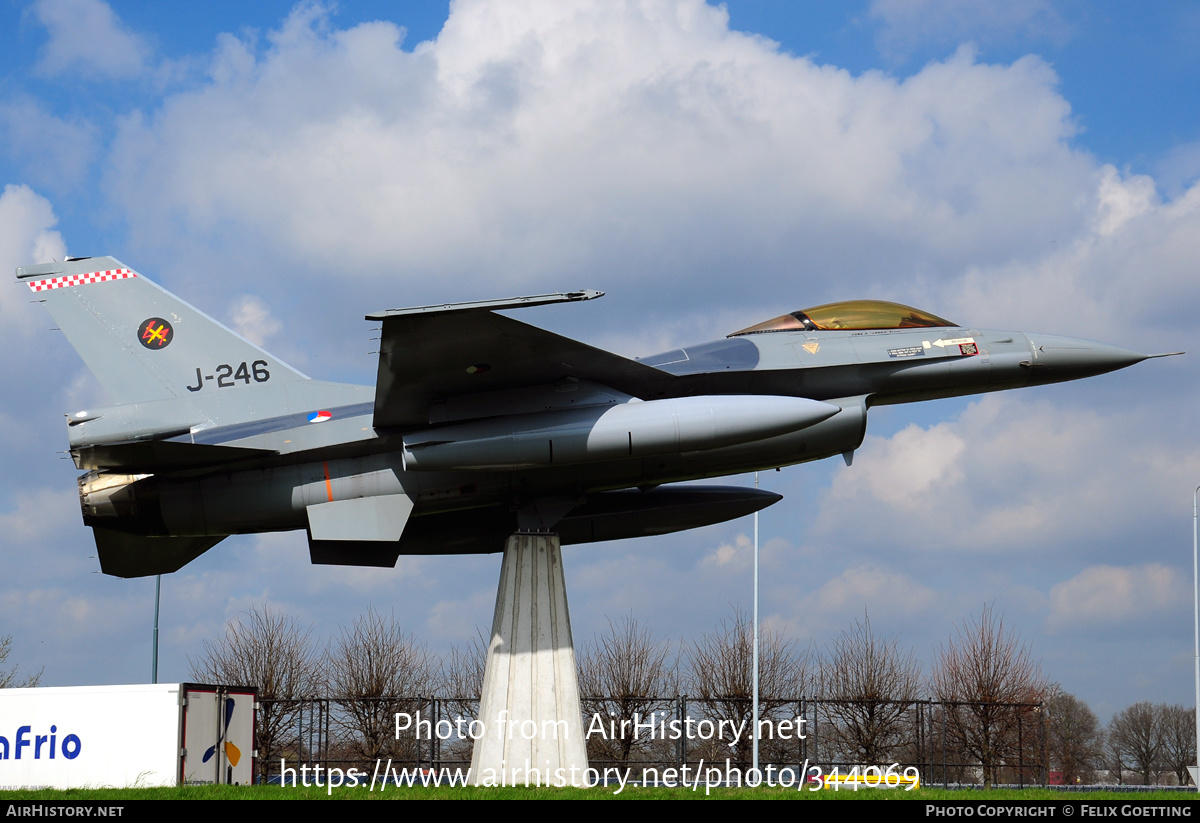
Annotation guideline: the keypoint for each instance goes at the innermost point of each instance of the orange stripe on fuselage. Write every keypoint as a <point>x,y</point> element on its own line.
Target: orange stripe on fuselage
<point>328,485</point>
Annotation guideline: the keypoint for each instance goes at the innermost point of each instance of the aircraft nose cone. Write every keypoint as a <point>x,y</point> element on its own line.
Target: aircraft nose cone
<point>1068,358</point>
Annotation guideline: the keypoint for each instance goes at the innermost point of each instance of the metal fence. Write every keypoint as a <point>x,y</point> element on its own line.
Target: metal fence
<point>947,742</point>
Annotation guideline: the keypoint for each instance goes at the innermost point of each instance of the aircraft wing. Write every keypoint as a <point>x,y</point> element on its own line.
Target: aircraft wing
<point>431,353</point>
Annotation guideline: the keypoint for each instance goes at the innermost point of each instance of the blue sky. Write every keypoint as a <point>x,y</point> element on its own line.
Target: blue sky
<point>289,168</point>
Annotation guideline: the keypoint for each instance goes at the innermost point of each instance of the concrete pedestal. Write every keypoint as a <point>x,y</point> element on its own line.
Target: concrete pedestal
<point>533,732</point>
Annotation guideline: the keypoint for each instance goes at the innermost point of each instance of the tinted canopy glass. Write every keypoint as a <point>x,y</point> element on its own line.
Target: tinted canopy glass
<point>850,314</point>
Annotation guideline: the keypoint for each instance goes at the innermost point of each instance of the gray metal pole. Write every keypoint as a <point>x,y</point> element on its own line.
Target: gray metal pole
<point>755,730</point>
<point>154,653</point>
<point>1196,627</point>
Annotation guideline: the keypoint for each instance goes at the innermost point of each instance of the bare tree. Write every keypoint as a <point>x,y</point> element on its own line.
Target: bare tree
<point>1074,740</point>
<point>10,677</point>
<point>375,670</point>
<point>464,670</point>
<point>994,686</point>
<point>462,676</point>
<point>623,677</point>
<point>1136,737</point>
<point>1179,740</point>
<point>719,672</point>
<point>870,684</point>
<point>1111,758</point>
<point>268,650</point>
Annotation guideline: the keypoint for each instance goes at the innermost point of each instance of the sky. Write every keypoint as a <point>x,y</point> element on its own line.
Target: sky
<point>289,168</point>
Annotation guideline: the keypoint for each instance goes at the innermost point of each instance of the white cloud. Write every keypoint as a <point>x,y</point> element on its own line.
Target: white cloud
<point>847,590</point>
<point>876,588</point>
<point>1011,475</point>
<point>1101,597</point>
<point>36,514</point>
<point>646,143</point>
<point>1122,200</point>
<point>455,620</point>
<point>26,237</point>
<point>737,553</point>
<point>1128,277</point>
<point>251,318</point>
<point>87,37</point>
<point>916,464</point>
<point>54,153</point>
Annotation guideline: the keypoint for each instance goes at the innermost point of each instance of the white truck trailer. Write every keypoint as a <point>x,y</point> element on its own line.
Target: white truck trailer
<point>138,735</point>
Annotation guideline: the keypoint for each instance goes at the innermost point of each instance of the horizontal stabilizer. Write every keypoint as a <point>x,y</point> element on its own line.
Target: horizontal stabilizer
<point>132,555</point>
<point>152,456</point>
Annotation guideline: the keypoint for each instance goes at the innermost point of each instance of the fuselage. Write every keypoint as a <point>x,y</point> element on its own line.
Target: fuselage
<point>850,370</point>
<point>479,424</point>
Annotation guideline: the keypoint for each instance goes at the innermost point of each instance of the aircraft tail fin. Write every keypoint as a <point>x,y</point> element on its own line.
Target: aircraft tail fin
<point>142,342</point>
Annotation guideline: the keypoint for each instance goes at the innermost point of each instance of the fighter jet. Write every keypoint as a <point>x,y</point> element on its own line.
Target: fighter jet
<point>479,425</point>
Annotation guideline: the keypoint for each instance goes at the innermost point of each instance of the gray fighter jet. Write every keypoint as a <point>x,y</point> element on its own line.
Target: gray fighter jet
<point>480,425</point>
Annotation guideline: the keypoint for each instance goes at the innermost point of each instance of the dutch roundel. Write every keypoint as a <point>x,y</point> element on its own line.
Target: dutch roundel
<point>319,417</point>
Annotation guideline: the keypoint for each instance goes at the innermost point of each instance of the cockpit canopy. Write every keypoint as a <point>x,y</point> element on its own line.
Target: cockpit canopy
<point>850,314</point>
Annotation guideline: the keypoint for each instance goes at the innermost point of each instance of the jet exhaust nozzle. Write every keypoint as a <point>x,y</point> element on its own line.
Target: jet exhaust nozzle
<point>124,502</point>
